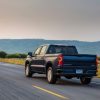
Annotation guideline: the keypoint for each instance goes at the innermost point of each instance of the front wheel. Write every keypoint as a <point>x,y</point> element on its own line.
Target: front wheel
<point>85,80</point>
<point>28,72</point>
<point>50,76</point>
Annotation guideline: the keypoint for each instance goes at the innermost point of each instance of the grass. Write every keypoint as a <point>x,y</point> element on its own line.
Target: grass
<point>98,74</point>
<point>98,68</point>
<point>22,61</point>
<point>98,71</point>
<point>13,61</point>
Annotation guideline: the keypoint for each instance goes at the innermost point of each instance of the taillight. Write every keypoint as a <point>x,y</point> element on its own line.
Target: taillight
<point>60,60</point>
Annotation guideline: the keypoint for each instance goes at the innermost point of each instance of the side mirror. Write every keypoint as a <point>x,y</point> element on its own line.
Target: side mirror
<point>30,54</point>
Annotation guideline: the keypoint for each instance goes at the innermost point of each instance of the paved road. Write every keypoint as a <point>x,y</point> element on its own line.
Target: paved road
<point>15,86</point>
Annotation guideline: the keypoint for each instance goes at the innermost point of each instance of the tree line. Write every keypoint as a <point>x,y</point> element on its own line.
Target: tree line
<point>15,55</point>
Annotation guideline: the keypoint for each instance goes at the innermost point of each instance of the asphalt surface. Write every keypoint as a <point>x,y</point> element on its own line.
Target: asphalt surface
<point>15,86</point>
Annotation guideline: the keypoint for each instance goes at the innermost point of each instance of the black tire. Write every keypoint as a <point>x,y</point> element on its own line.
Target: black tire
<point>28,72</point>
<point>51,78</point>
<point>85,80</point>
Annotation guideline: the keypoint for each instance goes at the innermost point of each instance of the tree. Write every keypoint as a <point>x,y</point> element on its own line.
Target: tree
<point>3,54</point>
<point>16,55</point>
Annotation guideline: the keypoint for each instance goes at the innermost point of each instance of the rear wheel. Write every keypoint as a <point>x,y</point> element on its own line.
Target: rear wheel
<point>51,78</point>
<point>85,80</point>
<point>28,72</point>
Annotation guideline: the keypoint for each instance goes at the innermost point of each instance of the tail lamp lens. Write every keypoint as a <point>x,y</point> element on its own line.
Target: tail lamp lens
<point>60,60</point>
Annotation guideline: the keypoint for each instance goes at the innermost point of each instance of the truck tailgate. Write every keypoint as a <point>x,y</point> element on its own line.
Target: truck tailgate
<point>79,64</point>
<point>79,60</point>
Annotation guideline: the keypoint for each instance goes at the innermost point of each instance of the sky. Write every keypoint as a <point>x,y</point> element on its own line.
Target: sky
<point>50,19</point>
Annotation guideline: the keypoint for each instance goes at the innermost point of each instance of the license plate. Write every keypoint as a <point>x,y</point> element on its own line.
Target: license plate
<point>79,71</point>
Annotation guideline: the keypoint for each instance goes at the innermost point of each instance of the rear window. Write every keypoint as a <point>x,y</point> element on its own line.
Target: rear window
<point>66,50</point>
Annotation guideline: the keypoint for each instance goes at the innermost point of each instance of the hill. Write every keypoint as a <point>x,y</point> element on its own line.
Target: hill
<point>26,45</point>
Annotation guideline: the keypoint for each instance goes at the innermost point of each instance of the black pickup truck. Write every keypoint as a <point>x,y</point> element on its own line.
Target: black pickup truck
<point>61,60</point>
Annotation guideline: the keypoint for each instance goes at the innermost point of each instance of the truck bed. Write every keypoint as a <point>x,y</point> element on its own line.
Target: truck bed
<point>81,64</point>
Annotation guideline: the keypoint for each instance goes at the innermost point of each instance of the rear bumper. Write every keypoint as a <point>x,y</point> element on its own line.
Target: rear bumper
<point>72,72</point>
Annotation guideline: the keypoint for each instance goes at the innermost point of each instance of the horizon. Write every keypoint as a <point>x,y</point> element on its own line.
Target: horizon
<point>44,39</point>
<point>26,45</point>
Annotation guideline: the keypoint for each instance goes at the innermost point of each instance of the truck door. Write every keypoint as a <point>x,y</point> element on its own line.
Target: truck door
<point>38,63</point>
<point>41,59</point>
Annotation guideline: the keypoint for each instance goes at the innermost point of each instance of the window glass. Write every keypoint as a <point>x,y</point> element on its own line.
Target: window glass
<point>43,50</point>
<point>38,51</point>
<point>67,50</point>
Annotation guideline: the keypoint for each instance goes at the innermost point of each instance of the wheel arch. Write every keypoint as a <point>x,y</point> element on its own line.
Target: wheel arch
<point>27,62</point>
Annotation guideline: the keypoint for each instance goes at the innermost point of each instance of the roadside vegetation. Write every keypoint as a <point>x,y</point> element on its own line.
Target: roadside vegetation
<point>99,73</point>
<point>18,58</point>
<point>15,55</point>
<point>99,67</point>
<point>18,61</point>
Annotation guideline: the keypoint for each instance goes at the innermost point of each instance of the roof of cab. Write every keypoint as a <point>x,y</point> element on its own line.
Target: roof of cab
<point>57,45</point>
